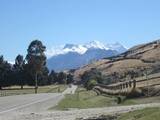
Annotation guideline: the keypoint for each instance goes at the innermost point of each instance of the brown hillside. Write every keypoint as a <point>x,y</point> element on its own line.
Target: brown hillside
<point>139,59</point>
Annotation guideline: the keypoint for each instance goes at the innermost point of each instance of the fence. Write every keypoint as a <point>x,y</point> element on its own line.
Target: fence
<point>128,86</point>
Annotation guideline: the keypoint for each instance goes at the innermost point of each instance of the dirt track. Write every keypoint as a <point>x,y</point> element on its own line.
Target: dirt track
<point>13,105</point>
<point>73,114</point>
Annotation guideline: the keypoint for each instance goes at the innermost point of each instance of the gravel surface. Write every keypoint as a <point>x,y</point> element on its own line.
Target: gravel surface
<point>73,114</point>
<point>32,102</point>
<point>18,104</point>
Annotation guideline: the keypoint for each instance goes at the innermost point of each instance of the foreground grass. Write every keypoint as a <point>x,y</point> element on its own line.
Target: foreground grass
<point>15,90</point>
<point>84,99</point>
<point>141,100</point>
<point>145,114</point>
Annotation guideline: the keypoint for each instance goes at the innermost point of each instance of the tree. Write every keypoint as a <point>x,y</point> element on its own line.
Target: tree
<point>5,73</point>
<point>1,71</point>
<point>43,76</point>
<point>52,77</point>
<point>62,77</point>
<point>69,78</point>
<point>36,59</point>
<point>19,70</point>
<point>93,74</point>
<point>91,84</point>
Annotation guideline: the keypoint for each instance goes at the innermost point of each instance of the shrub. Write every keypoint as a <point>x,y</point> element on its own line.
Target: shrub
<point>91,84</point>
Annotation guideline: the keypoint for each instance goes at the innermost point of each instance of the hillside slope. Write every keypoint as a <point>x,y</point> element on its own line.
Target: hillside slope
<point>137,60</point>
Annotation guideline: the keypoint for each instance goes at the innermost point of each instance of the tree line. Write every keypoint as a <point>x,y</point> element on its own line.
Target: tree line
<point>31,70</point>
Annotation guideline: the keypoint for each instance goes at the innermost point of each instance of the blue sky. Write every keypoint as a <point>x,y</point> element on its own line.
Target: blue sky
<point>57,22</point>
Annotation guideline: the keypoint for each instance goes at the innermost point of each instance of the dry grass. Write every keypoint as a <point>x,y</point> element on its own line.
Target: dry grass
<point>15,90</point>
<point>146,52</point>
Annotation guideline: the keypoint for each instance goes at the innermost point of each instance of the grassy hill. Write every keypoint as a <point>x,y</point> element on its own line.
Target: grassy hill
<point>139,60</point>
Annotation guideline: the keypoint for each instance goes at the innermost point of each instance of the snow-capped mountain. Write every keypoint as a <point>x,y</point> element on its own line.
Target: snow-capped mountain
<point>81,49</point>
<point>118,47</point>
<point>71,56</point>
<point>96,44</point>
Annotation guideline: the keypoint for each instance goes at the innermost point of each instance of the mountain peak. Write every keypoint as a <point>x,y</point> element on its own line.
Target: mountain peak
<point>69,46</point>
<point>118,47</point>
<point>81,49</point>
<point>96,44</point>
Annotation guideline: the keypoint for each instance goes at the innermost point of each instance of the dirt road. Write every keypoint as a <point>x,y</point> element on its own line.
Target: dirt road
<point>73,114</point>
<point>31,102</point>
<point>34,107</point>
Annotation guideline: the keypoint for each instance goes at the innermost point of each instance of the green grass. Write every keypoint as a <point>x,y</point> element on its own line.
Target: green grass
<point>15,90</point>
<point>62,88</point>
<point>141,100</point>
<point>145,114</point>
<point>84,99</point>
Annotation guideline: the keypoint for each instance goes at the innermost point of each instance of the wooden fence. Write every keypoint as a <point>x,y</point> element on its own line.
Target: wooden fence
<point>127,87</point>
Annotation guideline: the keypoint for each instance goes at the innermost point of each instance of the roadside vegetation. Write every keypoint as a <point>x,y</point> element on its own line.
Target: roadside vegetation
<point>145,114</point>
<point>91,78</point>
<point>141,100</point>
<point>83,99</point>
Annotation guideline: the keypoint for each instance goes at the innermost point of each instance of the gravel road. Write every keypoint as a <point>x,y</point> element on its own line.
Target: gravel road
<point>34,107</point>
<point>73,114</point>
<point>31,102</point>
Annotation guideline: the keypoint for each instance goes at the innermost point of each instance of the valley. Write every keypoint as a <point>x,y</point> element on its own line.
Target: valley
<point>79,60</point>
<point>110,86</point>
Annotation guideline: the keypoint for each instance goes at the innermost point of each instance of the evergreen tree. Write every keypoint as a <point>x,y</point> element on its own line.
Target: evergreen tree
<point>36,59</point>
<point>52,77</point>
<point>69,78</point>
<point>5,73</point>
<point>19,70</point>
<point>43,76</point>
<point>62,77</point>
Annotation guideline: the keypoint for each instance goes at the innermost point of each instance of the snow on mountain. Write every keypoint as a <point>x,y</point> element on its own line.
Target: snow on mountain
<point>81,49</point>
<point>118,47</point>
<point>71,56</point>
<point>74,48</point>
<point>96,44</point>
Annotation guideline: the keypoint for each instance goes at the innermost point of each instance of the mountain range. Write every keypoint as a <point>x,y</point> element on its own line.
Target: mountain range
<point>72,56</point>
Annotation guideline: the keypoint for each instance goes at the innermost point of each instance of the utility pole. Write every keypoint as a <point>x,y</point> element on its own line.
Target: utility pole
<point>36,85</point>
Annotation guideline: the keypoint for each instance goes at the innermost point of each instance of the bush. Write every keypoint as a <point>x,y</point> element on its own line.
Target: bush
<point>91,84</point>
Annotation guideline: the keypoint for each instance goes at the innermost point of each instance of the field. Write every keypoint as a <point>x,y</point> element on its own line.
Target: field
<point>144,100</point>
<point>15,90</point>
<point>85,99</point>
<point>145,114</point>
